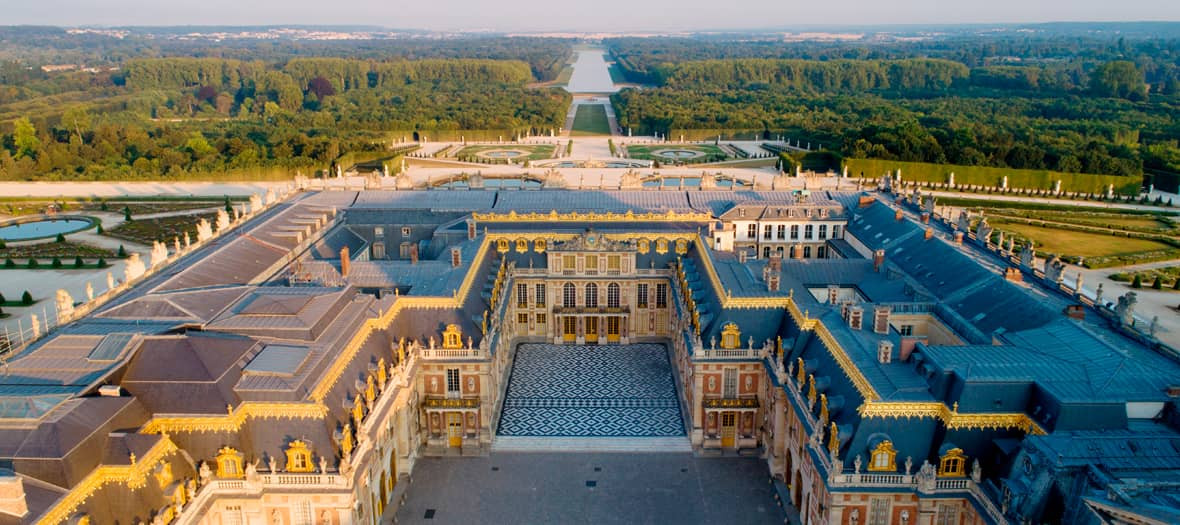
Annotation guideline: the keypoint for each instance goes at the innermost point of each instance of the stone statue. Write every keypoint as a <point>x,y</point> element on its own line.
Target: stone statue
<point>856,464</point>
<point>926,477</point>
<point>1126,308</point>
<point>252,471</point>
<point>205,472</point>
<point>1098,296</point>
<point>323,465</point>
<point>272,464</point>
<point>976,471</point>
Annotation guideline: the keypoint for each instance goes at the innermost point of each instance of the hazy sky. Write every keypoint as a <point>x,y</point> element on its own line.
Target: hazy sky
<point>595,15</point>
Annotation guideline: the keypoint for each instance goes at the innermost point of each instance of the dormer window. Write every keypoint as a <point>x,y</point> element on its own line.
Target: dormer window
<point>953,463</point>
<point>883,457</point>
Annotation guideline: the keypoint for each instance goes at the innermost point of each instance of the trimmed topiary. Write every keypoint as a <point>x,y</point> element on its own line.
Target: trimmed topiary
<point>26,299</point>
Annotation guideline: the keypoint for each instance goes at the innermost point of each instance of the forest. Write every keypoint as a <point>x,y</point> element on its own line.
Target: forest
<point>180,117</point>
<point>1076,105</point>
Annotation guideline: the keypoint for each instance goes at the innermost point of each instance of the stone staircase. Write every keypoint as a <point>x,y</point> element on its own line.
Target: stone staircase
<point>677,444</point>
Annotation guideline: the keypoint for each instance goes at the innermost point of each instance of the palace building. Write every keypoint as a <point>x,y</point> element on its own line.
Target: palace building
<point>890,367</point>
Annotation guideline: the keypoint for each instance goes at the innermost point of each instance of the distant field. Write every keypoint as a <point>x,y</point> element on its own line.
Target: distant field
<point>987,176</point>
<point>590,120</point>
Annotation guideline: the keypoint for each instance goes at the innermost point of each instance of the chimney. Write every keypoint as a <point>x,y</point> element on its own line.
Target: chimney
<point>898,215</point>
<point>414,253</point>
<point>878,260</point>
<point>742,255</point>
<point>845,307</point>
<point>775,263</point>
<point>881,319</point>
<point>344,261</point>
<point>1075,311</point>
<point>865,201</point>
<point>833,294</point>
<point>929,234</point>
<point>456,257</point>
<point>1013,274</point>
<point>855,317</point>
<point>772,282</point>
<point>471,229</point>
<point>925,217</point>
<point>959,238</point>
<point>884,352</point>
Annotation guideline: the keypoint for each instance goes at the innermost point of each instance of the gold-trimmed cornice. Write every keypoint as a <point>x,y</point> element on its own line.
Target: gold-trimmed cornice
<point>951,418</point>
<point>573,216</point>
<point>233,420</point>
<point>133,475</point>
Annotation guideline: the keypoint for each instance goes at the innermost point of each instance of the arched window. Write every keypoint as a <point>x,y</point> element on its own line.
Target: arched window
<point>592,295</point>
<point>883,458</point>
<point>953,463</point>
<point>568,296</point>
<point>612,295</point>
<point>229,463</point>
<point>299,457</point>
<point>452,337</point>
<point>502,245</point>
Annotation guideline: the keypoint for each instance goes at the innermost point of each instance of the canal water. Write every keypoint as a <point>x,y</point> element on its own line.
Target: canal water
<point>591,74</point>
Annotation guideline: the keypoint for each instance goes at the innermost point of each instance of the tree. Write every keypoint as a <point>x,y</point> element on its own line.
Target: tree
<point>24,137</point>
<point>102,262</point>
<point>56,263</point>
<point>1137,282</point>
<point>320,87</point>
<point>122,251</point>
<point>2,299</point>
<point>9,263</point>
<point>78,261</point>
<point>60,238</point>
<point>32,264</point>
<point>78,121</point>
<point>126,214</point>
<point>99,229</point>
<point>1176,285</point>
<point>1157,284</point>
<point>26,298</point>
<point>1119,78</point>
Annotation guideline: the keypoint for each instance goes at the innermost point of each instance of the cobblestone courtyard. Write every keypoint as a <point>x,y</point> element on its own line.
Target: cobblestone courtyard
<point>534,488</point>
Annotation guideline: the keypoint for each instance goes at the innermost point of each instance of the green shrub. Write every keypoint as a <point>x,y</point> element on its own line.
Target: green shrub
<point>78,261</point>
<point>32,263</point>
<point>1157,284</point>
<point>26,298</point>
<point>102,262</point>
<point>60,238</point>
<point>122,251</point>
<point>56,262</point>
<point>9,263</point>
<point>1138,282</point>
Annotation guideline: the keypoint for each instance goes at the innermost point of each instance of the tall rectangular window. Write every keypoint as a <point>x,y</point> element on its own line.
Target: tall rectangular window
<point>661,295</point>
<point>766,232</point>
<point>641,295</point>
<point>614,264</point>
<point>522,295</point>
<point>823,231</point>
<point>539,297</point>
<point>452,382</point>
<point>794,231</point>
<point>752,231</point>
<point>782,232</point>
<point>591,265</point>
<point>806,252</point>
<point>835,231</point>
<point>569,264</point>
<point>729,383</point>
<point>568,295</point>
<point>808,231</point>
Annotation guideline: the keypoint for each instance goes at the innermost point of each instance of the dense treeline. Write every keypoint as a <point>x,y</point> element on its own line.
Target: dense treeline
<point>174,117</point>
<point>813,76</point>
<point>1047,59</point>
<point>1067,115</point>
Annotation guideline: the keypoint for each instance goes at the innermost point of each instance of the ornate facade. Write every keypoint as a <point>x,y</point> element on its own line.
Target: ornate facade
<point>278,378</point>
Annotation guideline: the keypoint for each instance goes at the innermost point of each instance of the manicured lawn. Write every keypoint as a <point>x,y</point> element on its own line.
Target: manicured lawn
<point>710,152</point>
<point>1080,243</point>
<point>987,176</point>
<point>534,151</point>
<point>590,120</point>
